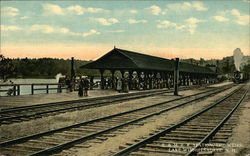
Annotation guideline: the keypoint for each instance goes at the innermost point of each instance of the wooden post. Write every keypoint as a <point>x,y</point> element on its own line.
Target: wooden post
<point>113,79</point>
<point>32,89</point>
<point>184,79</point>
<point>14,91</point>
<point>60,88</point>
<point>102,79</point>
<point>130,72</point>
<point>176,76</point>
<point>18,89</point>
<point>47,89</point>
<point>139,79</point>
<point>72,76</point>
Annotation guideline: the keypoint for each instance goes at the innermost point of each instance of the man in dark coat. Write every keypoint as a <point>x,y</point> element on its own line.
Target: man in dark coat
<point>80,91</point>
<point>86,86</point>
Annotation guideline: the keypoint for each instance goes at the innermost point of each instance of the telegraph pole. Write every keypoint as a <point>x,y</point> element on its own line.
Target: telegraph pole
<point>176,76</point>
<point>72,76</point>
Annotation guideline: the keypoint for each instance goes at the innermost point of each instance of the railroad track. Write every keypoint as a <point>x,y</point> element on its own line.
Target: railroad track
<point>193,135</point>
<point>25,113</point>
<point>56,140</point>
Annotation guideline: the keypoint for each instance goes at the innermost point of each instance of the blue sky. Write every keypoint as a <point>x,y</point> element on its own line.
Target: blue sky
<point>88,29</point>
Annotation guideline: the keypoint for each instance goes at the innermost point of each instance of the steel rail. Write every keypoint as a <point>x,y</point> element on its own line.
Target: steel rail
<point>22,139</point>
<point>76,107</point>
<point>72,101</point>
<point>85,138</point>
<point>139,144</point>
<point>216,129</point>
<point>150,93</point>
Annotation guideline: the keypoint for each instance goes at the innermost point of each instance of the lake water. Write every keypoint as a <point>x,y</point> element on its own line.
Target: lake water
<point>26,89</point>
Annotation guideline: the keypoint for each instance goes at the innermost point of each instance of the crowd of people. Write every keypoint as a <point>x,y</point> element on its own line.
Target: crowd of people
<point>124,84</point>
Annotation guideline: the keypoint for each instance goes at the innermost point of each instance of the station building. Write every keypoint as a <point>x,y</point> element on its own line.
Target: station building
<point>150,71</point>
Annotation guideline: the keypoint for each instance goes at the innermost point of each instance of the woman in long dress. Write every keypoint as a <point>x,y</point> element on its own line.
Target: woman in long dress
<point>119,85</point>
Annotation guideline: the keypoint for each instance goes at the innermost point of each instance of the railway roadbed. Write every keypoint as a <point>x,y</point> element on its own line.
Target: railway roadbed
<point>40,123</point>
<point>205,132</point>
<point>90,133</point>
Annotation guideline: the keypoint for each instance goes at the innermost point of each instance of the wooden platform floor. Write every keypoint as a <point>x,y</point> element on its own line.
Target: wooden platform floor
<point>25,100</point>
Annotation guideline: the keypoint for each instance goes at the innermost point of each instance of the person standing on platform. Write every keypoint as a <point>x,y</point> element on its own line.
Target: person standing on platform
<point>91,82</point>
<point>125,88</point>
<point>80,90</point>
<point>119,85</point>
<point>86,86</point>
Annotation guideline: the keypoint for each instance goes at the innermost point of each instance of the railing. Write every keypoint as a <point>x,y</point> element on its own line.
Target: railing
<point>14,89</point>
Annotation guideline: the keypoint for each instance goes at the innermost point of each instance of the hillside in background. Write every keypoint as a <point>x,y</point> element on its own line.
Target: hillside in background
<point>50,67</point>
<point>225,65</point>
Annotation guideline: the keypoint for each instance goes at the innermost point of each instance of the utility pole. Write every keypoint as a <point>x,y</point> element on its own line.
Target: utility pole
<point>176,76</point>
<point>72,76</point>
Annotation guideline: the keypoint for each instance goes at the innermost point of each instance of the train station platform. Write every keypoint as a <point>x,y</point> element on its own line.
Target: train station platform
<point>26,100</point>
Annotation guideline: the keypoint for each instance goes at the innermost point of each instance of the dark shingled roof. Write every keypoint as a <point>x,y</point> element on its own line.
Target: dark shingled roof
<point>123,59</point>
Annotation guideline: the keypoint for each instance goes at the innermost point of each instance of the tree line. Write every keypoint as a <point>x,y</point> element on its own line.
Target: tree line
<point>41,67</point>
<point>50,67</point>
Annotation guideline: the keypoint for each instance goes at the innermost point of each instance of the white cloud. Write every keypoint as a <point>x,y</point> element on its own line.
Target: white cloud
<point>116,31</point>
<point>241,19</point>
<point>10,28</point>
<point>235,12</point>
<point>95,10</point>
<point>193,20</point>
<point>156,10</point>
<point>76,9</point>
<point>50,9</point>
<point>199,6</point>
<point>133,11</point>
<point>134,21</point>
<point>10,11</point>
<point>165,24</point>
<point>190,24</point>
<point>90,33</point>
<point>220,18</point>
<point>53,9</point>
<point>181,27</point>
<point>61,30</point>
<point>43,28</point>
<point>24,17</point>
<point>185,6</point>
<point>106,22</point>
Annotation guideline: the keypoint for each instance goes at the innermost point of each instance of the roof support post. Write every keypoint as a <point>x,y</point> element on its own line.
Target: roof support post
<point>112,79</point>
<point>130,72</point>
<point>200,79</point>
<point>145,80</point>
<point>176,76</point>
<point>102,78</point>
<point>188,79</point>
<point>167,81</point>
<point>154,80</point>
<point>122,72</point>
<point>123,78</point>
<point>139,79</point>
<point>180,79</point>
<point>150,80</point>
<point>162,79</point>
<point>184,79</point>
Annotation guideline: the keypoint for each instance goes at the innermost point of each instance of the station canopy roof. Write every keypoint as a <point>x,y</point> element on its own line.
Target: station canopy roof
<point>119,59</point>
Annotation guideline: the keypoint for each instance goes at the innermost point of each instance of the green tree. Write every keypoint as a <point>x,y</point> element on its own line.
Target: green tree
<point>6,67</point>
